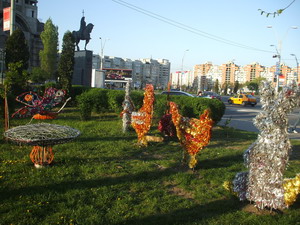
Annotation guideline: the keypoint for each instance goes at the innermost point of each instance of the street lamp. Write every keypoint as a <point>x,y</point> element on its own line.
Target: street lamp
<point>297,63</point>
<point>2,58</point>
<point>278,67</point>
<point>101,52</point>
<point>182,68</point>
<point>278,51</point>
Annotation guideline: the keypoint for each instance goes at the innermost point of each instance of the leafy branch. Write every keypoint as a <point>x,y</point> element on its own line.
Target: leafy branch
<point>277,13</point>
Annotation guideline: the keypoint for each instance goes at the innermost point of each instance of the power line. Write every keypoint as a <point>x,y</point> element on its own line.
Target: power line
<point>186,27</point>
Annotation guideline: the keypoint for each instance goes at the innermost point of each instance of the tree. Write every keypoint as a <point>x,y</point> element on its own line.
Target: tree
<point>38,75</point>
<point>16,78</point>
<point>216,86</point>
<point>16,49</point>
<point>236,86</point>
<point>225,88</point>
<point>66,62</point>
<point>48,56</point>
<point>16,61</point>
<point>254,84</point>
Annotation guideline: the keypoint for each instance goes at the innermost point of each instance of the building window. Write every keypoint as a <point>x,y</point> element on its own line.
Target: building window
<point>252,74</point>
<point>227,75</point>
<point>32,14</point>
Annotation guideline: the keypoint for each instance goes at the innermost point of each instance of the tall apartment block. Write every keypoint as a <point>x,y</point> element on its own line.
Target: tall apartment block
<point>26,13</point>
<point>140,72</point>
<point>204,76</point>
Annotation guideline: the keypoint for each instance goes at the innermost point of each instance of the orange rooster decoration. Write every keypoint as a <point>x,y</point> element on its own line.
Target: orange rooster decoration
<point>141,120</point>
<point>193,134</point>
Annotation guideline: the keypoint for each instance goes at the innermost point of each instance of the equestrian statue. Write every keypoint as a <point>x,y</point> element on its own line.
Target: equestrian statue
<point>83,33</point>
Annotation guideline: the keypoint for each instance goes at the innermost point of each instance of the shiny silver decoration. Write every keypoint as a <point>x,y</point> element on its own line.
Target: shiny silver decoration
<point>268,156</point>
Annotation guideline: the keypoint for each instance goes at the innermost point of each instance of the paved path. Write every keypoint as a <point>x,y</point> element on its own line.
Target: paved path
<point>242,118</point>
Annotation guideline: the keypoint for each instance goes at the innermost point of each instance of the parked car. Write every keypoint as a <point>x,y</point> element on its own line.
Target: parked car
<point>181,93</point>
<point>243,99</point>
<point>210,94</point>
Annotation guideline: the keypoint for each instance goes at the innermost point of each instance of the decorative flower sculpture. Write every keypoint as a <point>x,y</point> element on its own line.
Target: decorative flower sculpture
<point>193,134</point>
<point>40,107</point>
<point>128,107</point>
<point>141,120</point>
<point>268,156</point>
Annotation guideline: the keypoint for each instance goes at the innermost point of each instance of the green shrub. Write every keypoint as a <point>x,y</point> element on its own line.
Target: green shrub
<point>100,100</point>
<point>115,100</point>
<point>85,104</point>
<point>103,100</point>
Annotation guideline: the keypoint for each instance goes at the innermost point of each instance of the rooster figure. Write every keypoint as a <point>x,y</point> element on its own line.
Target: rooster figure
<point>193,134</point>
<point>141,120</point>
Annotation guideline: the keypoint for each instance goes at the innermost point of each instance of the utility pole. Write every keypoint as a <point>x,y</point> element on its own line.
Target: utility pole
<point>297,68</point>
<point>12,16</point>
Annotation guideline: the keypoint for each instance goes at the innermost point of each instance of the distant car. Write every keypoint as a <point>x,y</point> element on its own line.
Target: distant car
<point>243,99</point>
<point>180,93</point>
<point>210,94</point>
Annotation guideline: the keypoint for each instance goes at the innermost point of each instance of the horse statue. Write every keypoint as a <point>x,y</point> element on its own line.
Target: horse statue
<point>83,33</point>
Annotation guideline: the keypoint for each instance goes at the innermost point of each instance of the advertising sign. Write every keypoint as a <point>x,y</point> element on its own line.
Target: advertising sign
<point>6,19</point>
<point>118,74</point>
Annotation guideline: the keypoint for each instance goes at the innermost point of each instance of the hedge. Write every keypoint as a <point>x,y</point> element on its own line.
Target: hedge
<point>105,100</point>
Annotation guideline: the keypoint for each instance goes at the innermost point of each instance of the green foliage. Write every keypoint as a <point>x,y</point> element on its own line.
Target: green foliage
<point>85,105</point>
<point>102,177</point>
<point>225,88</point>
<point>277,12</point>
<point>216,86</point>
<point>102,100</point>
<point>115,100</point>
<point>16,50</point>
<point>48,56</point>
<point>16,78</point>
<point>236,86</point>
<point>38,75</point>
<point>66,62</point>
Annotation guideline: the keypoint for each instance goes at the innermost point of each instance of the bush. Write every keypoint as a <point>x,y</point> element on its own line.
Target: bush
<point>85,104</point>
<point>103,100</point>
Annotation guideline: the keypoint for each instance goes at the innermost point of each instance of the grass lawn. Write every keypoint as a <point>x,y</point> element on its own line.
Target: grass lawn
<point>102,177</point>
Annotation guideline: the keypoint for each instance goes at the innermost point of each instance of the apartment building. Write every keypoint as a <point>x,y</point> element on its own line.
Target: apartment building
<point>142,71</point>
<point>26,13</point>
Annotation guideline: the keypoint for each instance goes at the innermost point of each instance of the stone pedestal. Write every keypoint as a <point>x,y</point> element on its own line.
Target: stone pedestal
<point>82,74</point>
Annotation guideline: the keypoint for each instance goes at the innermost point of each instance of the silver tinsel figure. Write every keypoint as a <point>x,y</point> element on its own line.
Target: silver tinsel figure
<point>128,107</point>
<point>268,156</point>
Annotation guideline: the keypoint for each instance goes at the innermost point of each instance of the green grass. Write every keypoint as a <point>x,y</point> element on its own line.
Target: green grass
<point>102,177</point>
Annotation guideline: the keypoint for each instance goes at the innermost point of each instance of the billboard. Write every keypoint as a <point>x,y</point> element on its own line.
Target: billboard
<point>6,19</point>
<point>118,74</point>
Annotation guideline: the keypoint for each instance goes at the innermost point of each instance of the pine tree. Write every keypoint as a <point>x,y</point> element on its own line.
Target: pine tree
<point>66,62</point>
<point>16,49</point>
<point>16,61</point>
<point>48,56</point>
<point>216,86</point>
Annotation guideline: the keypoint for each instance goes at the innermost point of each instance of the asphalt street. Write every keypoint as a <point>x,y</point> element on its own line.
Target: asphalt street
<point>241,117</point>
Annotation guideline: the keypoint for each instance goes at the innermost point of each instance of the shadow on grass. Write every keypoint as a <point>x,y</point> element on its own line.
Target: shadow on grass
<point>221,162</point>
<point>65,186</point>
<point>193,215</point>
<point>111,138</point>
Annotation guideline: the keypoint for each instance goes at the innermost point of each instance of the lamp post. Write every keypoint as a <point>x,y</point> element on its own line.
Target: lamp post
<point>2,58</point>
<point>182,68</point>
<point>297,63</point>
<point>101,52</point>
<point>278,51</point>
<point>278,67</point>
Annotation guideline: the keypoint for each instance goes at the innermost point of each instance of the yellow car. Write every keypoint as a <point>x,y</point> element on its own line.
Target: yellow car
<point>243,99</point>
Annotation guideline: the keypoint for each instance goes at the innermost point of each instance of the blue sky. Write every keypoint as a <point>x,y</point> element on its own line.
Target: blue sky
<point>132,34</point>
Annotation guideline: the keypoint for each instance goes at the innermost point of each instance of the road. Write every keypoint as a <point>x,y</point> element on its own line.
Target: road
<point>242,117</point>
